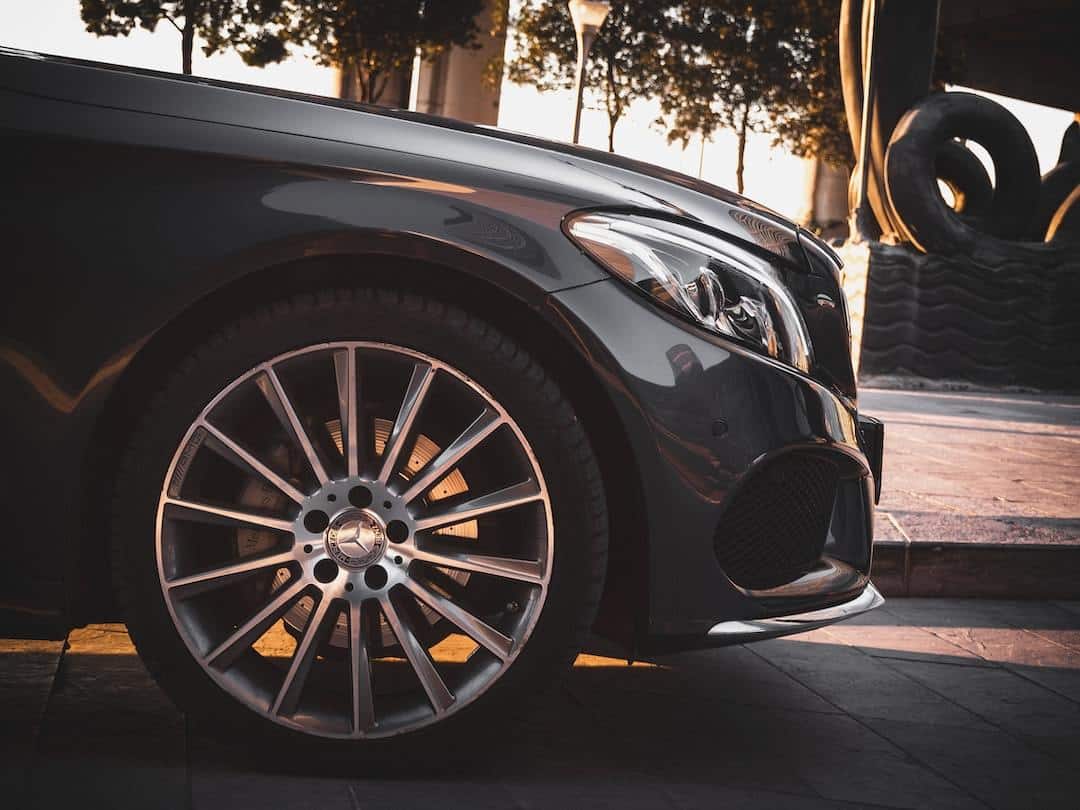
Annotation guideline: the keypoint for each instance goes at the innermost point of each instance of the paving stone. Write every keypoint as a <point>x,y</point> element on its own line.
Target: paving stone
<point>1037,641</point>
<point>110,738</point>
<point>727,675</point>
<point>27,667</point>
<point>890,779</point>
<point>911,643</point>
<point>378,794</point>
<point>860,684</point>
<point>922,704</point>
<point>979,467</point>
<point>999,770</point>
<point>698,796</point>
<point>1004,699</point>
<point>257,790</point>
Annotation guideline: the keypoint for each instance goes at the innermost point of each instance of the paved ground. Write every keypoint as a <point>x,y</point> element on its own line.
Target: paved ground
<point>992,468</point>
<point>921,704</point>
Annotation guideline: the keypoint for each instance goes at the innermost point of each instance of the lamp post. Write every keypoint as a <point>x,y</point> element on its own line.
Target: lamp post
<point>588,16</point>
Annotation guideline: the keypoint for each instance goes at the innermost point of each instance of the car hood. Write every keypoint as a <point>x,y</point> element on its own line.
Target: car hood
<point>582,177</point>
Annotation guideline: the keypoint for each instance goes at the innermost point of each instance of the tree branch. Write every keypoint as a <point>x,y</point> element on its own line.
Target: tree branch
<point>172,22</point>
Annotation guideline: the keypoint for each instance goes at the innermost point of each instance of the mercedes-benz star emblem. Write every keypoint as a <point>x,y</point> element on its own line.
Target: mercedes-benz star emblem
<point>355,538</point>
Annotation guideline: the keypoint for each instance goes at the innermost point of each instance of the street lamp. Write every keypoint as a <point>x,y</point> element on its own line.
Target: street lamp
<point>588,16</point>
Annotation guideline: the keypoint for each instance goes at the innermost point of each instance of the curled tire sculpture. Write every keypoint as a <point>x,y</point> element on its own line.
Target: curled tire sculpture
<point>903,55</point>
<point>963,172</point>
<point>1065,225</point>
<point>1057,185</point>
<point>911,176</point>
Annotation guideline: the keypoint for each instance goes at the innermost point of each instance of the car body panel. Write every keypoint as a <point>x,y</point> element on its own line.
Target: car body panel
<point>131,197</point>
<point>673,391</point>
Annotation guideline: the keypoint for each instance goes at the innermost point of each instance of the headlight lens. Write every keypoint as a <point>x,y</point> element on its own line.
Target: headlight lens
<point>716,284</point>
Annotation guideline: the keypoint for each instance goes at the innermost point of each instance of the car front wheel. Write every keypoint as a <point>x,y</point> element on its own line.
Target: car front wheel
<point>358,515</point>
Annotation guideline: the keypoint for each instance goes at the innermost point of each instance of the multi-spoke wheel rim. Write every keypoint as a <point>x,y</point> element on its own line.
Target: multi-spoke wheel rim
<point>280,526</point>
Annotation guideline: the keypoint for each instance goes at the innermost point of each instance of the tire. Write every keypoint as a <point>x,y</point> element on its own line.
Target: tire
<point>1065,226</point>
<point>1057,185</point>
<point>154,536</point>
<point>959,168</point>
<point>911,176</point>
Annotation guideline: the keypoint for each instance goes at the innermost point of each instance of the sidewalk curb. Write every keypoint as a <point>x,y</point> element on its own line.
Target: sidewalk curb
<point>990,570</point>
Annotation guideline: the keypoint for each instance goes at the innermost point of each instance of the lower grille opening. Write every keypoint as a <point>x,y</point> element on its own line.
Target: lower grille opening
<point>774,528</point>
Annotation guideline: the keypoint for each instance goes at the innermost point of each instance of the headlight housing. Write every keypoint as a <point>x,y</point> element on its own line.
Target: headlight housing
<point>713,283</point>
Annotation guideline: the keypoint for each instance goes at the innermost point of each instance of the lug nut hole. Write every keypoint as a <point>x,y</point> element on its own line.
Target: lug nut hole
<point>325,570</point>
<point>375,577</point>
<point>397,531</point>
<point>307,548</point>
<point>360,497</point>
<point>331,497</point>
<point>349,586</point>
<point>387,505</point>
<point>316,521</point>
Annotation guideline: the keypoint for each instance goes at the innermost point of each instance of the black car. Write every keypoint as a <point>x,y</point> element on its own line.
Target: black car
<point>364,419</point>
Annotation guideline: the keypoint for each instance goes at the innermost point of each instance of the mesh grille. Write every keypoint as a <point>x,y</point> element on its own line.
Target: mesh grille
<point>774,529</point>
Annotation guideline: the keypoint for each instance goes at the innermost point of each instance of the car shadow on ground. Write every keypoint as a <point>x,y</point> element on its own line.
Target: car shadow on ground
<point>926,706</point>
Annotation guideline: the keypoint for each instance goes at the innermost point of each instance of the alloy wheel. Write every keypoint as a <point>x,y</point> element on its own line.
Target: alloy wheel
<point>354,539</point>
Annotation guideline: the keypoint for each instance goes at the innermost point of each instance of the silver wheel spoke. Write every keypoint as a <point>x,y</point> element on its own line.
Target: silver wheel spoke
<point>288,696</point>
<point>188,586</point>
<point>363,701</point>
<point>440,697</point>
<point>207,513</point>
<point>345,371</point>
<point>275,394</point>
<point>482,427</point>
<point>225,654</point>
<point>516,495</point>
<point>478,630</point>
<point>419,383</point>
<point>232,451</point>
<point>530,571</point>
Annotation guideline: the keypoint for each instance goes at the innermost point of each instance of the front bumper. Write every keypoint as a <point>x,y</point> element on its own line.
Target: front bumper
<point>704,420</point>
<point>738,631</point>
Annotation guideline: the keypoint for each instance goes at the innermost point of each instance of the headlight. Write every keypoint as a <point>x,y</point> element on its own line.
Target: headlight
<point>716,284</point>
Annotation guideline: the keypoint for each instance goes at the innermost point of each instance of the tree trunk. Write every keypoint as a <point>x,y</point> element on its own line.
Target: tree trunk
<point>825,199</point>
<point>347,85</point>
<point>187,36</point>
<point>614,109</point>
<point>740,163</point>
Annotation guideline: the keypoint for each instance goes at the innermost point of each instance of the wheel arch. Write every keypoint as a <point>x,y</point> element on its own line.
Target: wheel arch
<point>508,307</point>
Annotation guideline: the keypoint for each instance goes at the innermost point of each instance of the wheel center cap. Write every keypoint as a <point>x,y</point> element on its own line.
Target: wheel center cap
<point>356,538</point>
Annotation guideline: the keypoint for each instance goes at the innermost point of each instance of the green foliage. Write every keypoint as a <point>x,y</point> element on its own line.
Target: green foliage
<point>758,66</point>
<point>750,65</point>
<point>625,61</point>
<point>807,115</point>
<point>245,25</point>
<point>375,38</point>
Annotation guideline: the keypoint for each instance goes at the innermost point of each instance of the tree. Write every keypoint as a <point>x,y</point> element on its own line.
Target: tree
<point>722,71</point>
<point>624,63</point>
<point>757,66</point>
<point>245,25</point>
<point>808,116</point>
<point>373,39</point>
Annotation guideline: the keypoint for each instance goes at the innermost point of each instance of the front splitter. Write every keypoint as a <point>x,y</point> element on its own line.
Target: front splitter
<point>741,630</point>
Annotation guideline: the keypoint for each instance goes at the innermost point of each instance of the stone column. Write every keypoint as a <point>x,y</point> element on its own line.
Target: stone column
<point>453,85</point>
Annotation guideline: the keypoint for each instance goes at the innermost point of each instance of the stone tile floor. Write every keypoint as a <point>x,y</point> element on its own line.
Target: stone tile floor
<point>920,704</point>
<point>990,468</point>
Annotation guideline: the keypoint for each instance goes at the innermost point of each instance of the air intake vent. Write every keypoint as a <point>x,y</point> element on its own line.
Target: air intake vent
<point>774,529</point>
